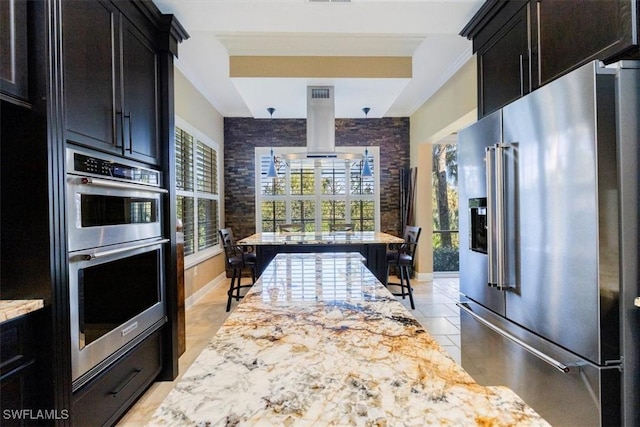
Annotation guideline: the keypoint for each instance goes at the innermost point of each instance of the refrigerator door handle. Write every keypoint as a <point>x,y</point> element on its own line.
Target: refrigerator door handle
<point>564,368</point>
<point>500,252</point>
<point>491,255</point>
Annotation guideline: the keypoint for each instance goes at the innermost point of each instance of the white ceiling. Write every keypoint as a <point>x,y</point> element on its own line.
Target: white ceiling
<point>426,30</point>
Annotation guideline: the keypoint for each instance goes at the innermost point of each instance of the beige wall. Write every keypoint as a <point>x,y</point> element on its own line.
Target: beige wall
<point>451,108</point>
<point>193,108</point>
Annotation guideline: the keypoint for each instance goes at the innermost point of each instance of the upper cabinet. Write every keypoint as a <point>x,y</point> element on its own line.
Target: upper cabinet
<point>110,81</point>
<point>13,49</point>
<point>574,32</point>
<point>522,45</point>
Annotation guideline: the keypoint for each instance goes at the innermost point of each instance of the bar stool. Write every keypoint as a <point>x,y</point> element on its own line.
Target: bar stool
<point>238,259</point>
<point>401,256</point>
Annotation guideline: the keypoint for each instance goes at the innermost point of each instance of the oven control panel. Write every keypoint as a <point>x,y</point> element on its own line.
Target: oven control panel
<point>86,164</point>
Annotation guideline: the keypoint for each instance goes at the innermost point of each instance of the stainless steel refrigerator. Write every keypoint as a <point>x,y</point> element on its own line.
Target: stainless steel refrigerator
<point>549,207</point>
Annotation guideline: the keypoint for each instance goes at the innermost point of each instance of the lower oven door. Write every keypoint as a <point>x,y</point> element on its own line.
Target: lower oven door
<point>116,299</point>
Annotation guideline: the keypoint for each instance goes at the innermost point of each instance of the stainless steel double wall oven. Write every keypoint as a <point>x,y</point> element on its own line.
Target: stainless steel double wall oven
<point>116,257</point>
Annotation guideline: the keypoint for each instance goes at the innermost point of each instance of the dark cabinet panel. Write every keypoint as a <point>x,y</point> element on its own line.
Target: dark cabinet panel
<point>90,74</point>
<point>524,44</point>
<point>19,380</point>
<point>106,398</point>
<point>573,32</point>
<point>140,83</point>
<point>111,82</point>
<point>13,50</point>
<point>503,65</point>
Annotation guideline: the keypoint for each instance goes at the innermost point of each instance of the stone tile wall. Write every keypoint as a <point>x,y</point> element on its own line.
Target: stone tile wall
<point>242,135</point>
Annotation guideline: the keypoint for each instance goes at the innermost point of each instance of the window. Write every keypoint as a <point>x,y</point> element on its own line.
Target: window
<point>446,241</point>
<point>317,192</point>
<point>198,196</point>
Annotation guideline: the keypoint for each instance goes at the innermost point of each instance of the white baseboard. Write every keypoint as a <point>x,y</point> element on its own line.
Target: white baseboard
<point>192,299</point>
<point>447,274</point>
<point>424,277</point>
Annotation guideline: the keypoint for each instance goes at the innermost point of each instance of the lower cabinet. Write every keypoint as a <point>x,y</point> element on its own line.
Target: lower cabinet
<point>18,371</point>
<point>374,253</point>
<point>106,398</point>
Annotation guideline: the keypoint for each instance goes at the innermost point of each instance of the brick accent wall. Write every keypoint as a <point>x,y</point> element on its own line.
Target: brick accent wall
<point>242,135</point>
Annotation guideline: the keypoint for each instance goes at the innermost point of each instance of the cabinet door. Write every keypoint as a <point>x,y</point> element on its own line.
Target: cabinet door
<point>140,87</point>
<point>91,73</point>
<point>13,49</point>
<point>574,32</point>
<point>503,65</point>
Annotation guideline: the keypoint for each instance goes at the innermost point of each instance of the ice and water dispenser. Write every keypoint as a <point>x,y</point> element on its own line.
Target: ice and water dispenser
<point>478,226</point>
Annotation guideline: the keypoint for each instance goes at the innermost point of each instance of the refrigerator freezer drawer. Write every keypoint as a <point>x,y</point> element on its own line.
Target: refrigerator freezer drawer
<point>581,394</point>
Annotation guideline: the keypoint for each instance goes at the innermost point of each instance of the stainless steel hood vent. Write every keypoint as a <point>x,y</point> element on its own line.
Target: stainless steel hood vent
<point>321,122</point>
<point>321,127</point>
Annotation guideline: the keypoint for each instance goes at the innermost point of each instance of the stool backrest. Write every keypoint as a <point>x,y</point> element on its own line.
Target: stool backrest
<point>411,236</point>
<point>229,244</point>
<point>290,228</point>
<point>341,227</point>
<point>226,237</point>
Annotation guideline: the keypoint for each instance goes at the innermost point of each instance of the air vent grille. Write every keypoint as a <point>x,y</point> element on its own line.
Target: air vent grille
<point>320,93</point>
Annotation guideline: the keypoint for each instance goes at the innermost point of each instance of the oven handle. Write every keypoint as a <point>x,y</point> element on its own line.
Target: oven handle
<point>88,256</point>
<point>106,183</point>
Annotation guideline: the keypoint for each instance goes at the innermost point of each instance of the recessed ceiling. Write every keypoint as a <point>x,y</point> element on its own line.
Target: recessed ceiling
<point>425,32</point>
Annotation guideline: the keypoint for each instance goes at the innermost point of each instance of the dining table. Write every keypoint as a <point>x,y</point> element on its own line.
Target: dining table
<point>319,341</point>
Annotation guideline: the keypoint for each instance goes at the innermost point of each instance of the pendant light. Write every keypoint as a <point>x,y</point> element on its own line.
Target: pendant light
<point>271,172</point>
<point>366,169</point>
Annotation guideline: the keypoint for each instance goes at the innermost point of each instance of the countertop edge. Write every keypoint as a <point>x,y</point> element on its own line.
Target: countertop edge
<point>10,309</point>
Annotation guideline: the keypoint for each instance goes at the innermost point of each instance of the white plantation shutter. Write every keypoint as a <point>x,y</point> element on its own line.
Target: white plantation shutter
<point>197,169</point>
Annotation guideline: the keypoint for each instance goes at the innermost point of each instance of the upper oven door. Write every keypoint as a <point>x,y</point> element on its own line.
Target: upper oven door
<point>102,212</point>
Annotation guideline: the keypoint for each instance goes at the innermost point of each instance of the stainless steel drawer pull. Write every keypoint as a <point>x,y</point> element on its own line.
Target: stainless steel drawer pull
<point>125,383</point>
<point>545,358</point>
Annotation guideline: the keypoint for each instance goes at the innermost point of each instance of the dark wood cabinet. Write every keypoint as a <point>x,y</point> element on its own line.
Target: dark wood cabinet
<point>140,89</point>
<point>503,62</point>
<point>14,73</point>
<point>111,82</point>
<point>574,32</point>
<point>105,399</point>
<point>19,379</point>
<point>524,44</point>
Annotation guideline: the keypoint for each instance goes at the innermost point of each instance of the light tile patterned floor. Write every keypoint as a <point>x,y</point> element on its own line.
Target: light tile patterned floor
<point>435,310</point>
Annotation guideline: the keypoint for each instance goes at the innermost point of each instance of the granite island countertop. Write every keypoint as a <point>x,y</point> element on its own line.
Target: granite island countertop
<point>313,238</point>
<point>10,309</point>
<point>319,341</point>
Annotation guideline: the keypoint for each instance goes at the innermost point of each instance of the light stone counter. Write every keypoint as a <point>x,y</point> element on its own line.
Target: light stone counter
<point>319,341</point>
<point>10,309</point>
<point>312,238</point>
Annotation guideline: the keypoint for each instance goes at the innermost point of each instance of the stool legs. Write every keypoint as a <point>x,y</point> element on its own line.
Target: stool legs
<point>405,283</point>
<point>404,274</point>
<point>236,286</point>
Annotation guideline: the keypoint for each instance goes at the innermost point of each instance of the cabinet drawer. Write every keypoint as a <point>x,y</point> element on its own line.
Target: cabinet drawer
<point>15,344</point>
<point>104,400</point>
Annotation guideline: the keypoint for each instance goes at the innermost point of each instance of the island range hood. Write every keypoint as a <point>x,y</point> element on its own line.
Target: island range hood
<point>321,127</point>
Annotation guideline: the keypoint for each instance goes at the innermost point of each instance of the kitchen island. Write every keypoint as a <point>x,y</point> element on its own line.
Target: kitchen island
<point>372,245</point>
<point>319,341</point>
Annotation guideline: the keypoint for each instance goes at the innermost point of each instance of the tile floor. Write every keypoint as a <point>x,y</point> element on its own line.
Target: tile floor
<point>435,310</point>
